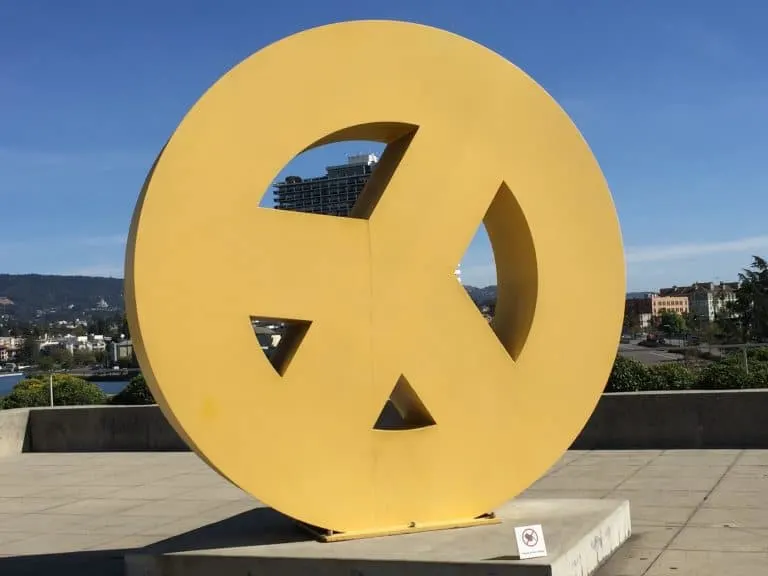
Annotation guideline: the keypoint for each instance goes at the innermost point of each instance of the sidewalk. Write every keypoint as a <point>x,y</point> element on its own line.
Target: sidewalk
<point>693,512</point>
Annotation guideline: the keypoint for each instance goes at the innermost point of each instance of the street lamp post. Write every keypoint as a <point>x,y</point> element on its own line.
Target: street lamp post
<point>50,383</point>
<point>746,359</point>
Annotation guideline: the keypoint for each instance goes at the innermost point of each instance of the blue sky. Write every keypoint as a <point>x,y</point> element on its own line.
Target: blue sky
<point>672,97</point>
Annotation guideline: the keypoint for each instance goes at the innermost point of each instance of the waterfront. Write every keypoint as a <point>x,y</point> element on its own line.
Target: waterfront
<point>8,381</point>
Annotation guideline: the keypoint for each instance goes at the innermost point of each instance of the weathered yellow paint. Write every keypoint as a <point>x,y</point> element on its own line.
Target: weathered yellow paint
<point>471,137</point>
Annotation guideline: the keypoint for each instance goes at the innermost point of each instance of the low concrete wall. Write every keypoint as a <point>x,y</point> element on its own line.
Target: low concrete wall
<point>101,429</point>
<point>684,420</point>
<point>645,420</point>
<point>13,431</point>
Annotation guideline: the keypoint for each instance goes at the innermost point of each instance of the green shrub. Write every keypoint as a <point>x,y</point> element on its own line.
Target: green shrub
<point>671,376</point>
<point>758,375</point>
<point>724,375</point>
<point>136,392</point>
<point>758,355</point>
<point>627,375</point>
<point>27,393</point>
<point>67,391</point>
<point>72,391</point>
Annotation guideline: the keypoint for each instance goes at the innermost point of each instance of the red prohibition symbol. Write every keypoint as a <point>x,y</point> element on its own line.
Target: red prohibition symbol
<point>530,538</point>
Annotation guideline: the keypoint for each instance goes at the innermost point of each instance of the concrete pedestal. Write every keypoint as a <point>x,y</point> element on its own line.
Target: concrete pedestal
<point>580,535</point>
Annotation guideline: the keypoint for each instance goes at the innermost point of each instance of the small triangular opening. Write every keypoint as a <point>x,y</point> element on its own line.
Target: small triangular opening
<point>404,410</point>
<point>279,338</point>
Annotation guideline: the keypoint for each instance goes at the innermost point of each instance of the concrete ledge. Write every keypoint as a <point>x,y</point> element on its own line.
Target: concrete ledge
<point>580,536</point>
<point>632,421</point>
<point>13,431</point>
<point>717,419</point>
<point>101,429</point>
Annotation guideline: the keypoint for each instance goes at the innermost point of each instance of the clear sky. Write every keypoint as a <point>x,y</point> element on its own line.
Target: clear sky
<point>672,97</point>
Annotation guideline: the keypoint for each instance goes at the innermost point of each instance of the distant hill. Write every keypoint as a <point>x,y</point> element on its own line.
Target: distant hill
<point>482,296</point>
<point>59,296</point>
<point>27,296</point>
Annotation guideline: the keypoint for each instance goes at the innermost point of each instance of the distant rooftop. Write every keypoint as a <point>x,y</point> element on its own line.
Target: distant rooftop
<point>337,170</point>
<point>368,159</point>
<point>639,295</point>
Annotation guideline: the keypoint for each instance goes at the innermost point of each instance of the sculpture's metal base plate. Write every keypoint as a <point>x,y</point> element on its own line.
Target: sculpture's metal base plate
<point>327,536</point>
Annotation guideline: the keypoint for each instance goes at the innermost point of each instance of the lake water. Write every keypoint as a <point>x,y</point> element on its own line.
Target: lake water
<point>7,382</point>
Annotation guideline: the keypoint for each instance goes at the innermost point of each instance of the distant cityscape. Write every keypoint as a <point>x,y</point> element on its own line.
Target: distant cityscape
<point>702,302</point>
<point>78,322</point>
<point>84,351</point>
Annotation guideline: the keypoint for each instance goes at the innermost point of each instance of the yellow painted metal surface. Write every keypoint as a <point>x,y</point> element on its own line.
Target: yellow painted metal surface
<point>471,138</point>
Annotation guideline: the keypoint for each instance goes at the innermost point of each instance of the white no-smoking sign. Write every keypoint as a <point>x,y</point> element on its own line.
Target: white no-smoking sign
<point>530,541</point>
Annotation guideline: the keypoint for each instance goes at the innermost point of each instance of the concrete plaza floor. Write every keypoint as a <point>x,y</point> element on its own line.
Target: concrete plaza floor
<point>693,512</point>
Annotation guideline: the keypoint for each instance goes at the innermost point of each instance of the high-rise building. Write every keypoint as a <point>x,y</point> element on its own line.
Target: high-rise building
<point>333,194</point>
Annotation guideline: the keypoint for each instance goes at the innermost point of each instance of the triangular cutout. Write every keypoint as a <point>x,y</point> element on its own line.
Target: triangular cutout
<point>404,410</point>
<point>279,338</point>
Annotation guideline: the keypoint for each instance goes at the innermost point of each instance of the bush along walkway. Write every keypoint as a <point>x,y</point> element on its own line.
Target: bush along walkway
<point>72,391</point>
<point>628,375</point>
<point>729,373</point>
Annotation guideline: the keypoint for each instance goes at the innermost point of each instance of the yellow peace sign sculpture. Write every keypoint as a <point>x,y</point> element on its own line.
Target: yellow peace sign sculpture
<point>470,138</point>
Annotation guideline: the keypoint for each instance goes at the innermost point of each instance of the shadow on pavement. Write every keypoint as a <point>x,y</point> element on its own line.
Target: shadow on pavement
<point>87,563</point>
<point>257,527</point>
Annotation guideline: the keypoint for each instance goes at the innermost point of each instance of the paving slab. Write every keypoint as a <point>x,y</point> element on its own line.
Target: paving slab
<point>660,515</point>
<point>580,535</point>
<point>696,483</point>
<point>650,537</point>
<point>730,518</point>
<point>754,457</point>
<point>52,496</point>
<point>709,563</point>
<point>651,497</point>
<point>721,539</point>
<point>630,561</point>
<point>726,497</point>
<point>671,470</point>
<point>562,481</point>
<point>744,484</point>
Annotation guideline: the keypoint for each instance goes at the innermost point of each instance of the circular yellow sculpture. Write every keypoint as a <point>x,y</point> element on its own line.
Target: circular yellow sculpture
<point>470,138</point>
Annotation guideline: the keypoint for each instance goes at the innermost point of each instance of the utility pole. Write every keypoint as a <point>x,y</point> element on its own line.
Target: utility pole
<point>50,386</point>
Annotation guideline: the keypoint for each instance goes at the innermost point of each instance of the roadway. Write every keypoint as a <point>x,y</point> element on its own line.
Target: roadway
<point>648,355</point>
